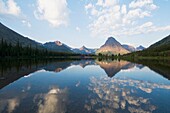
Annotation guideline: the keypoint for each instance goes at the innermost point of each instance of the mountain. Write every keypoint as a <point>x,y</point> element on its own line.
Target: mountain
<point>112,46</point>
<point>129,48</point>
<point>164,42</point>
<point>13,37</point>
<point>84,50</point>
<point>140,48</point>
<point>133,49</point>
<point>159,49</point>
<point>57,46</point>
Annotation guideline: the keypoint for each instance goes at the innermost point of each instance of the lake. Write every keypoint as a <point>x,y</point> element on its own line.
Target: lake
<point>84,86</point>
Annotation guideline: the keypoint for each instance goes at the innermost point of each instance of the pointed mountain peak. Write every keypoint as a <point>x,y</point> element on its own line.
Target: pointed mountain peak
<point>83,47</point>
<point>112,41</point>
<point>140,48</point>
<point>112,46</point>
<point>111,38</point>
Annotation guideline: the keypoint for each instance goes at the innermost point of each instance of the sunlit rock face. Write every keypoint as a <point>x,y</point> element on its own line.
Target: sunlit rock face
<point>58,43</point>
<point>112,46</point>
<point>121,95</point>
<point>113,67</point>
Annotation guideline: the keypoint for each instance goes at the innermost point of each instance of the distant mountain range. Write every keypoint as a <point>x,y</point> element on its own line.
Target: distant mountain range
<point>129,48</point>
<point>133,49</point>
<point>111,46</point>
<point>84,50</point>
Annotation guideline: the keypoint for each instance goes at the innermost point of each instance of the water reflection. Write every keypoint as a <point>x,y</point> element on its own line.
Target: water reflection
<point>12,70</point>
<point>160,66</point>
<point>118,95</point>
<point>52,102</point>
<point>84,63</point>
<point>113,67</point>
<point>104,86</point>
<point>10,104</point>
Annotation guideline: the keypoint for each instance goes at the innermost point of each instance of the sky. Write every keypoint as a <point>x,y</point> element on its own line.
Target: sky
<point>88,22</point>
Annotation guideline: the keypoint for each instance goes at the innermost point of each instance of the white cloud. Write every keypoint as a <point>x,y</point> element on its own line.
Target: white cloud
<point>136,13</point>
<point>78,29</point>
<point>27,23</point>
<point>145,28</point>
<point>55,12</point>
<point>88,6</point>
<point>9,7</point>
<point>143,3</point>
<point>123,10</point>
<point>106,3</point>
<point>111,18</point>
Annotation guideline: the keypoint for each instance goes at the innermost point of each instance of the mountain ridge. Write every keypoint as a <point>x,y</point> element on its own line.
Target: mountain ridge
<point>162,42</point>
<point>84,50</point>
<point>111,45</point>
<point>57,46</point>
<point>10,36</point>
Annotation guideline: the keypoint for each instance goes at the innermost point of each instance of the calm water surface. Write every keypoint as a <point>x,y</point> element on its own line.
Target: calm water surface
<point>85,86</point>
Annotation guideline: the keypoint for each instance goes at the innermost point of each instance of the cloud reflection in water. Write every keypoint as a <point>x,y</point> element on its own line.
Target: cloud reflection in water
<point>54,101</point>
<point>115,95</point>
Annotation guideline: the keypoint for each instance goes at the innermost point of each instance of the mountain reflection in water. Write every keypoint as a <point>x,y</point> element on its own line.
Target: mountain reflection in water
<point>111,68</point>
<point>86,86</point>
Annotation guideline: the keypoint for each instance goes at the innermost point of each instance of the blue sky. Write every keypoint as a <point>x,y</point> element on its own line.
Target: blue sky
<point>88,22</point>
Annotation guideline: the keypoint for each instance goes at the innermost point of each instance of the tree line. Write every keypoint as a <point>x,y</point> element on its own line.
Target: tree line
<point>17,50</point>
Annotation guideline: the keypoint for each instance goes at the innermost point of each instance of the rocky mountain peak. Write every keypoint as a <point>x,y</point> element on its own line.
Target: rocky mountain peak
<point>58,43</point>
<point>112,41</point>
<point>83,47</point>
<point>140,48</point>
<point>112,46</point>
